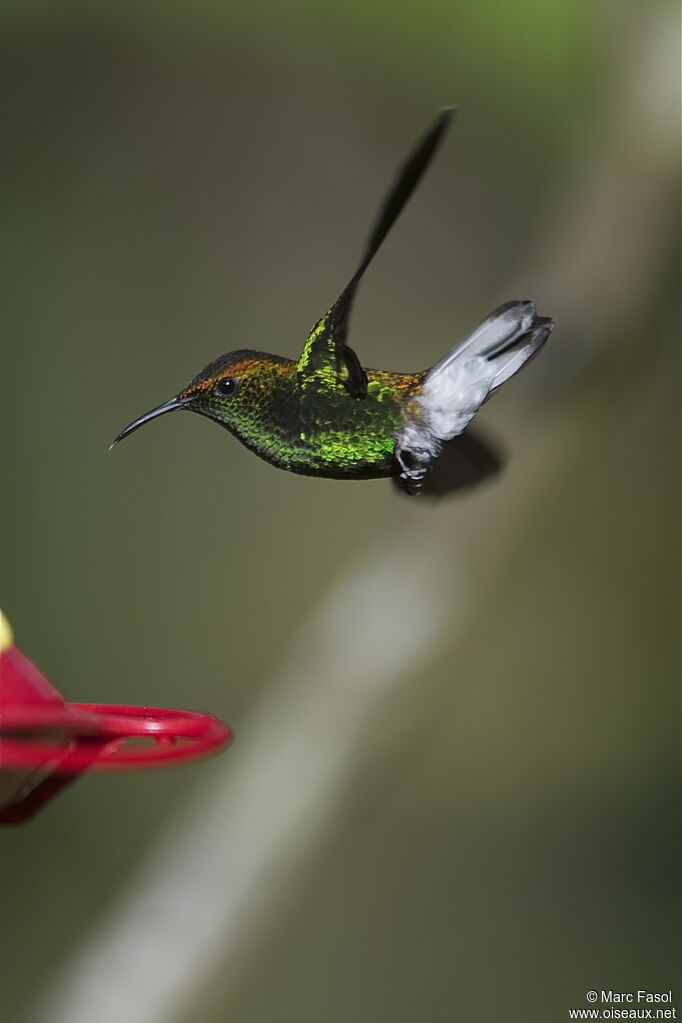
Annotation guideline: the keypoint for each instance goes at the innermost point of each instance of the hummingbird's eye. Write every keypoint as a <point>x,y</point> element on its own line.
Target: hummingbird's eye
<point>227,387</point>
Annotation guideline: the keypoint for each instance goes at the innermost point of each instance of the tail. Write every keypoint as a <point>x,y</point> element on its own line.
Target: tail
<point>455,388</point>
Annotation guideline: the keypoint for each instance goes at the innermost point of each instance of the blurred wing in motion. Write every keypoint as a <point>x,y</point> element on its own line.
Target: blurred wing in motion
<point>465,461</point>
<point>326,355</point>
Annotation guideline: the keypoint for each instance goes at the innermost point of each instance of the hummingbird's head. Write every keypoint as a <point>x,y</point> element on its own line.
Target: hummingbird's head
<point>232,390</point>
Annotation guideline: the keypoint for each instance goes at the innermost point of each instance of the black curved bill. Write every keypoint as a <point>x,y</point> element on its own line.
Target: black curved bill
<point>160,410</point>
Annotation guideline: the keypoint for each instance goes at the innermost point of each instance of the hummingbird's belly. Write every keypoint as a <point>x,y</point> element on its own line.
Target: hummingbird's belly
<point>358,445</point>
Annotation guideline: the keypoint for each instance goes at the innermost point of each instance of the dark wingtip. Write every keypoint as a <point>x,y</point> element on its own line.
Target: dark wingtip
<point>443,121</point>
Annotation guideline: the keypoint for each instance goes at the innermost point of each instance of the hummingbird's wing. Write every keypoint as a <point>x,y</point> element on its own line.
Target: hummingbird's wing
<point>464,462</point>
<point>326,355</point>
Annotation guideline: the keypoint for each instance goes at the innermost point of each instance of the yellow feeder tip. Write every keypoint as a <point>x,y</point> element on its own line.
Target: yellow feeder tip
<point>6,637</point>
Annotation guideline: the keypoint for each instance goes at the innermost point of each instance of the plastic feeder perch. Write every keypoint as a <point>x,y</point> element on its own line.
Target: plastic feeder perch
<point>45,742</point>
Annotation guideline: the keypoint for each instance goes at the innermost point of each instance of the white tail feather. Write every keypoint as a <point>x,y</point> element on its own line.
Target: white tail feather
<point>455,388</point>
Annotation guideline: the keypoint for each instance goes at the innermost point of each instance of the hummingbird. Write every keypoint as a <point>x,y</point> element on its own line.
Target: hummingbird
<point>326,415</point>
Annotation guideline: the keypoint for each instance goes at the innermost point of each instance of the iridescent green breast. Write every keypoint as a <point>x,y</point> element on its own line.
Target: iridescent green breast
<point>318,430</point>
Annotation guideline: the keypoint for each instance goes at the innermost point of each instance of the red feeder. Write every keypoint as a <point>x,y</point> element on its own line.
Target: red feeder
<point>45,742</point>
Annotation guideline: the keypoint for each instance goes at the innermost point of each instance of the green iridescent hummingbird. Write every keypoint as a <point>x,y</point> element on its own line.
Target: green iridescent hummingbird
<point>326,415</point>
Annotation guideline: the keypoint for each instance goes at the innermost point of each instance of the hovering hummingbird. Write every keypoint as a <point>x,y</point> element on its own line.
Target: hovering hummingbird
<point>326,415</point>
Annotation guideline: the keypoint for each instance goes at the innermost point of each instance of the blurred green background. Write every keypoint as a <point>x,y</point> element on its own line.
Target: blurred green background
<point>454,789</point>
